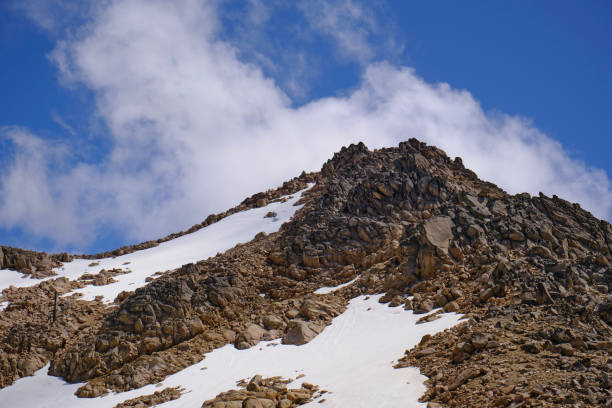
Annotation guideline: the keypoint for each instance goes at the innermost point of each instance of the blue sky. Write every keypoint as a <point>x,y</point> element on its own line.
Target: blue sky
<point>126,120</point>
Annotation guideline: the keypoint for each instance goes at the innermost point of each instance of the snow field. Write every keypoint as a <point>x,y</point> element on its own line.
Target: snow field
<point>13,278</point>
<point>352,359</point>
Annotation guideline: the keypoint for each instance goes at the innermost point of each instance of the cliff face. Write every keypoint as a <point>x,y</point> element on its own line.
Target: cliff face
<point>532,274</point>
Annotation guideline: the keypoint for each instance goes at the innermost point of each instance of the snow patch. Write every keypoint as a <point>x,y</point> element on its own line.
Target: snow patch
<point>13,278</point>
<point>351,358</point>
<point>329,289</point>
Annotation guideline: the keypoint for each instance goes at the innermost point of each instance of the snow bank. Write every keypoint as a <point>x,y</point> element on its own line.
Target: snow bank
<point>218,237</point>
<point>352,358</point>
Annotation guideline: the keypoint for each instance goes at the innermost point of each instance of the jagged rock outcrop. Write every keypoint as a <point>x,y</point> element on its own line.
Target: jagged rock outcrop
<point>38,264</point>
<point>30,337</point>
<point>265,393</point>
<point>151,400</point>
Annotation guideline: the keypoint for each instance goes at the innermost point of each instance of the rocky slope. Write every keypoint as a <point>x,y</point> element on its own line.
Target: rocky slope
<point>531,274</point>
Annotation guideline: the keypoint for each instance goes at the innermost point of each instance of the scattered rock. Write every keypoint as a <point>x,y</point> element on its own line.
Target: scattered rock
<point>263,393</point>
<point>300,332</point>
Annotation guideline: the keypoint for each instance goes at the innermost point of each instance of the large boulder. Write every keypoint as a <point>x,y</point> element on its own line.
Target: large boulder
<point>477,204</point>
<point>272,322</point>
<point>313,309</point>
<point>438,231</point>
<point>300,332</point>
<point>249,336</point>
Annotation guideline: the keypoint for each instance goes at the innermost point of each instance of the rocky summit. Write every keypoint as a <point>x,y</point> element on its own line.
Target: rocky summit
<point>531,277</point>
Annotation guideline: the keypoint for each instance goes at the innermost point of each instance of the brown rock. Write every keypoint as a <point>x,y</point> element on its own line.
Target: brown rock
<point>312,309</point>
<point>277,258</point>
<point>542,294</point>
<point>250,336</point>
<point>385,190</point>
<point>311,260</point>
<point>516,236</point>
<point>29,365</point>
<point>451,307</point>
<point>90,390</point>
<point>439,231</point>
<point>300,332</point>
<point>151,344</point>
<point>252,403</point>
<point>531,347</point>
<point>425,306</point>
<point>284,403</point>
<point>479,341</point>
<point>538,250</point>
<point>272,322</point>
<point>464,377</point>
<point>478,204</point>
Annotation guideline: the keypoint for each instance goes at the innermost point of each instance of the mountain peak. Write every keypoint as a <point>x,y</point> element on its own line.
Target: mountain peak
<point>530,275</point>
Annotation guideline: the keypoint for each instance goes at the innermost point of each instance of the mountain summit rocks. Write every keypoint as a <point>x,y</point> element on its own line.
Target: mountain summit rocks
<point>532,275</point>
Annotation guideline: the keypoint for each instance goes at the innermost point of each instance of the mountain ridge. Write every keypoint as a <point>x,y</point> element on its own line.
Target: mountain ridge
<point>407,222</point>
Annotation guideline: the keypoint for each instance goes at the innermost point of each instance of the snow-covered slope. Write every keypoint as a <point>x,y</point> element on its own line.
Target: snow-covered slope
<point>218,237</point>
<point>17,279</point>
<point>352,359</point>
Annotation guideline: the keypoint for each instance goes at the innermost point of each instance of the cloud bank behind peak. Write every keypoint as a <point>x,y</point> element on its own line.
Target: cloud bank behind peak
<point>194,129</point>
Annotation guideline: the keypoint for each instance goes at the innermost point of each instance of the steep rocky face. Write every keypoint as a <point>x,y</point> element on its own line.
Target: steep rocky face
<point>408,221</point>
<point>29,335</point>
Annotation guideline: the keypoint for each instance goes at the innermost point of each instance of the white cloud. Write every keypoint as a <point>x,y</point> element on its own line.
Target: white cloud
<point>353,26</point>
<point>28,196</point>
<point>194,130</point>
<point>52,15</point>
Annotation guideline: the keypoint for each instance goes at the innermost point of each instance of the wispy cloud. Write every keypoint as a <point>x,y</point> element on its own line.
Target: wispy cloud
<point>54,15</point>
<point>354,27</point>
<point>195,129</point>
<point>32,196</point>
<point>62,123</point>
